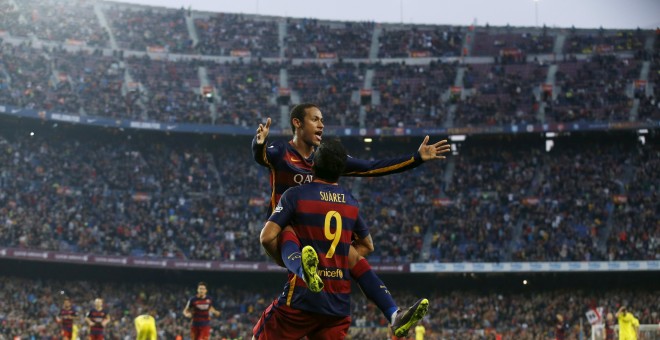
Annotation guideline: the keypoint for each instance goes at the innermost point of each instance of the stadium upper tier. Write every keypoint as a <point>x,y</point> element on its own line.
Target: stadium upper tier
<point>201,197</point>
<point>104,59</point>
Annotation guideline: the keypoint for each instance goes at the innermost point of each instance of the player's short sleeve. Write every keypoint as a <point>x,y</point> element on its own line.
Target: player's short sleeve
<point>361,229</point>
<point>283,212</point>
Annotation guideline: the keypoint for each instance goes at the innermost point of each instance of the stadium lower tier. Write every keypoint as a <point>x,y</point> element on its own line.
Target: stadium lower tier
<point>461,306</point>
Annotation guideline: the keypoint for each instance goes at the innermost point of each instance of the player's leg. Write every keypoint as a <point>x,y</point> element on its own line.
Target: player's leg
<point>153,333</point>
<point>403,322</point>
<point>269,239</point>
<point>303,264</point>
<point>280,322</point>
<point>204,333</point>
<point>371,285</point>
<point>333,328</point>
<point>375,290</point>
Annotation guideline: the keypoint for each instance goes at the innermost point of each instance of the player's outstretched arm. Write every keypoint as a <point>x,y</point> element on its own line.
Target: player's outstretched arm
<point>186,311</point>
<point>262,132</point>
<point>433,151</point>
<point>269,238</point>
<point>214,311</point>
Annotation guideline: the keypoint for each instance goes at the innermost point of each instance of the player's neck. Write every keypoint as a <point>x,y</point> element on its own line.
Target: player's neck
<point>303,148</point>
<point>317,180</point>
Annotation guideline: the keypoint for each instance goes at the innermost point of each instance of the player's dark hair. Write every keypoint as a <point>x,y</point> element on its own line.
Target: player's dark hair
<point>202,283</point>
<point>329,160</point>
<point>299,112</point>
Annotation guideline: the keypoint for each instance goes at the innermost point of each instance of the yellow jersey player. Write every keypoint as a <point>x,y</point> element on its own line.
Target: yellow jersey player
<point>628,324</point>
<point>145,326</point>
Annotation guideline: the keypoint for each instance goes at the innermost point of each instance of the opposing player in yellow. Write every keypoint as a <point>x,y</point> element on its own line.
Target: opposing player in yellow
<point>145,326</point>
<point>419,332</point>
<point>628,324</point>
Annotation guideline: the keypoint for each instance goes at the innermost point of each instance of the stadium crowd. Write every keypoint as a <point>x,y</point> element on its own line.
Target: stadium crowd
<point>91,83</point>
<point>131,194</point>
<point>464,313</point>
<point>506,91</point>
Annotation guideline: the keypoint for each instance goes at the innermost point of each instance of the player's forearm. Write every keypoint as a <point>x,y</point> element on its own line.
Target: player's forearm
<point>364,246</point>
<point>258,151</point>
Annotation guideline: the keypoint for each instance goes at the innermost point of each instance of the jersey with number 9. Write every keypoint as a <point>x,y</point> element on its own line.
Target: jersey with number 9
<point>324,216</point>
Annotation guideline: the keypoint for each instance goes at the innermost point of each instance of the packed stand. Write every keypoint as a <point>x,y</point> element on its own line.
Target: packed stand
<point>635,233</point>
<point>229,34</point>
<point>464,313</point>
<point>593,90</point>
<point>420,41</point>
<point>492,42</point>
<point>9,19</point>
<point>170,90</point>
<point>331,86</point>
<point>503,94</point>
<point>311,38</point>
<point>484,202</point>
<point>568,218</point>
<point>604,41</point>
<point>128,196</point>
<point>73,82</point>
<point>71,22</point>
<point>29,73</point>
<point>649,104</point>
<point>151,30</point>
<point>248,91</point>
<point>139,195</point>
<point>411,95</point>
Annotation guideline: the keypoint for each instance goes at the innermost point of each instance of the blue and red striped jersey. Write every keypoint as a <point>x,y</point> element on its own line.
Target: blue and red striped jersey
<point>324,216</point>
<point>288,168</point>
<point>67,315</point>
<point>200,309</point>
<point>97,316</point>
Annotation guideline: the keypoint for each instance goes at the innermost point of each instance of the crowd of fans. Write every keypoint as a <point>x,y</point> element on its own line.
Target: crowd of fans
<point>411,95</point>
<point>589,41</point>
<point>420,41</point>
<point>311,38</point>
<point>140,195</point>
<point>459,313</point>
<point>601,88</point>
<point>229,34</point>
<point>595,90</point>
<point>70,22</point>
<point>333,86</point>
<point>164,29</point>
<point>142,29</point>
<point>490,43</point>
<point>503,94</point>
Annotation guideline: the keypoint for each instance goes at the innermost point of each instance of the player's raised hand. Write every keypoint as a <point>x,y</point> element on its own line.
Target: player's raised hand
<point>433,151</point>
<point>262,132</point>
